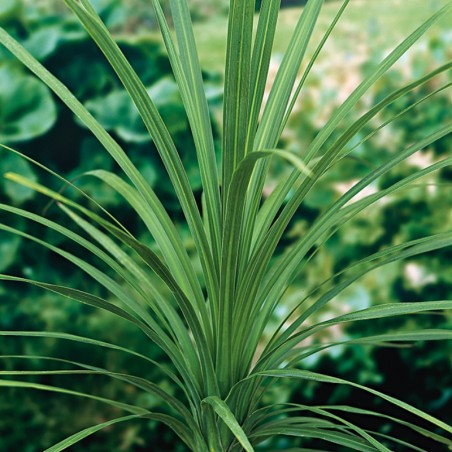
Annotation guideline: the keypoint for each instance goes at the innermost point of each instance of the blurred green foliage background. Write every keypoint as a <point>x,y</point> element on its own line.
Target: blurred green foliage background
<point>36,123</point>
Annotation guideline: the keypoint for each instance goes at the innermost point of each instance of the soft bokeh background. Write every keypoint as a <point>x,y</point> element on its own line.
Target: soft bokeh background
<point>33,121</point>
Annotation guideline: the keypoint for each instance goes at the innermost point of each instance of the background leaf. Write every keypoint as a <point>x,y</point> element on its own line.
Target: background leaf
<point>27,108</point>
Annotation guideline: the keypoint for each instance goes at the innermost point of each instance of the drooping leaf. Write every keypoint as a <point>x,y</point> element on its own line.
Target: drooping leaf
<point>222,409</point>
<point>308,375</point>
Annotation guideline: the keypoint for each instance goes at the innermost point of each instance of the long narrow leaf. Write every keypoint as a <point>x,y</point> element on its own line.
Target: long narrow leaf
<point>79,436</point>
<point>236,87</point>
<point>187,72</point>
<point>24,384</point>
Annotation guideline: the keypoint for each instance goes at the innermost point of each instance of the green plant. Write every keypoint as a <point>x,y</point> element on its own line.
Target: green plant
<point>215,338</point>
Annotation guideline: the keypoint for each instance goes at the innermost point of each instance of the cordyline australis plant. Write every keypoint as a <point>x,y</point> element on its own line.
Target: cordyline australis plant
<point>215,339</point>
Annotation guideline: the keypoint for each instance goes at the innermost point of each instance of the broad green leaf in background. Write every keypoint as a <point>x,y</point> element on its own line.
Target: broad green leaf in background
<point>8,8</point>
<point>27,108</point>
<point>44,41</point>
<point>117,113</point>
<point>17,193</point>
<point>9,245</point>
